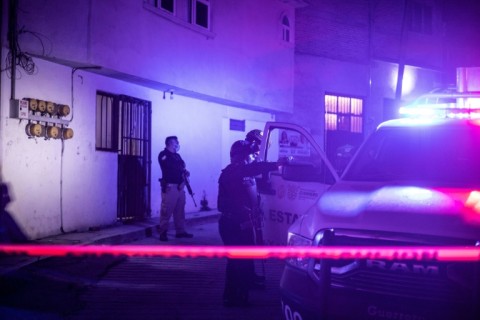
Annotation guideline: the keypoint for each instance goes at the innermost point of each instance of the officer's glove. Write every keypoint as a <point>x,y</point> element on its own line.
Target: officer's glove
<point>284,160</point>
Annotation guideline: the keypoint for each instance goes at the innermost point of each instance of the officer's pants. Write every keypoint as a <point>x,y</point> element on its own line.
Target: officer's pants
<point>239,272</point>
<point>173,203</point>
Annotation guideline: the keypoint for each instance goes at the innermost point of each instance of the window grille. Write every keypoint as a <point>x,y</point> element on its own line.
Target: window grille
<point>420,18</point>
<point>106,122</point>
<point>343,113</point>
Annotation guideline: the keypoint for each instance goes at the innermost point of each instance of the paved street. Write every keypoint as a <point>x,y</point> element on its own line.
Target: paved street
<point>138,287</point>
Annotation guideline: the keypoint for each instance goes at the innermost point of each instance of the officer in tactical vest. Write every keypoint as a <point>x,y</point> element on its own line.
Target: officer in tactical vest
<point>237,201</point>
<point>174,174</point>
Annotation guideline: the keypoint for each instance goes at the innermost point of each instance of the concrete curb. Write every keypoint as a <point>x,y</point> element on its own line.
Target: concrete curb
<point>116,234</point>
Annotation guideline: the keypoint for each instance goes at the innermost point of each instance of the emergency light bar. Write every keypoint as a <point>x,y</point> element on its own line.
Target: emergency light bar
<point>458,105</point>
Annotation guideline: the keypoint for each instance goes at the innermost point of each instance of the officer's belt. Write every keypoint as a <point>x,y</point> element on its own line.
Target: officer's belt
<point>235,215</point>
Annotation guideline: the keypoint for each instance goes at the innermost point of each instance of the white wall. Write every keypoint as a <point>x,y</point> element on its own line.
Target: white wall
<point>242,59</point>
<point>33,167</point>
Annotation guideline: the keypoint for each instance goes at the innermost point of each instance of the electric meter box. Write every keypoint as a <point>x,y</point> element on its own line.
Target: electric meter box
<point>19,109</point>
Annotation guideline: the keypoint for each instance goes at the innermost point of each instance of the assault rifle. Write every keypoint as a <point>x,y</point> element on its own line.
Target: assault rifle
<point>256,218</point>
<point>189,188</point>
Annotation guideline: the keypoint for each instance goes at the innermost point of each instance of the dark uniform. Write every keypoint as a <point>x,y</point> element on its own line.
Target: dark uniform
<point>237,201</point>
<point>10,232</point>
<point>254,137</point>
<point>173,193</point>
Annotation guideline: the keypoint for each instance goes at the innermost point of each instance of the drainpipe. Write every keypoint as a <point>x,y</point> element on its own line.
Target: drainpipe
<point>401,58</point>
<point>12,42</point>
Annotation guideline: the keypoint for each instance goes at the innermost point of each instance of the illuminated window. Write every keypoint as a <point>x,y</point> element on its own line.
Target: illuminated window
<point>200,13</point>
<point>285,29</point>
<point>420,18</point>
<point>343,114</point>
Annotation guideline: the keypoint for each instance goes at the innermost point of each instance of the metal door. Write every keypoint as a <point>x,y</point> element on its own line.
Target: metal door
<point>134,164</point>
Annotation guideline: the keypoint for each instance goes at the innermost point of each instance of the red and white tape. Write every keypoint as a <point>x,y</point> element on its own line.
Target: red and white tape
<point>245,252</point>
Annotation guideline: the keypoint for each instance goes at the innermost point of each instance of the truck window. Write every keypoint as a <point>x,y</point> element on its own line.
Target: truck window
<point>305,161</point>
<point>439,156</point>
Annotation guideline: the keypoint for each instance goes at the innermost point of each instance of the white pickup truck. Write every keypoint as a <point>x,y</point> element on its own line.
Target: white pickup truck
<point>414,182</point>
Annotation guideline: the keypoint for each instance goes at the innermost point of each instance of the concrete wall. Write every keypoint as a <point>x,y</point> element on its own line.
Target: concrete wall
<point>143,52</point>
<point>315,76</point>
<point>55,191</point>
<point>353,48</point>
<point>140,52</point>
<point>242,57</point>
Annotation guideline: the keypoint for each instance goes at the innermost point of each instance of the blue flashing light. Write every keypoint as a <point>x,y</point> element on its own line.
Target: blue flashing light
<point>444,106</point>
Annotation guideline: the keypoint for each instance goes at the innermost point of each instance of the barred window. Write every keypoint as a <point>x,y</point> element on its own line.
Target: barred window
<point>343,113</point>
<point>122,123</point>
<point>420,18</point>
<point>106,123</point>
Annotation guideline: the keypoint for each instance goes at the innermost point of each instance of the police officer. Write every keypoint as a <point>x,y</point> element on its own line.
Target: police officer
<point>254,138</point>
<point>174,174</point>
<point>237,202</point>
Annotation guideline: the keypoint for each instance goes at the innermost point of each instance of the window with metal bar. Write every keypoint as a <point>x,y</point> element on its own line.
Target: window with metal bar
<point>122,123</point>
<point>420,17</point>
<point>343,113</point>
<point>106,122</point>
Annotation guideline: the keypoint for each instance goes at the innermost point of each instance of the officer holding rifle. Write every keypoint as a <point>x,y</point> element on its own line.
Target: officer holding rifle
<point>238,203</point>
<point>174,178</point>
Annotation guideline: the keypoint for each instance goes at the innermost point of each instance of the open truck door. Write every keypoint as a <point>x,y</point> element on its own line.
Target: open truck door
<point>304,178</point>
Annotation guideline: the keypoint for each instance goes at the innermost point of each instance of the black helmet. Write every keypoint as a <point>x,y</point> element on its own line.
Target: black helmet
<point>254,136</point>
<point>240,149</point>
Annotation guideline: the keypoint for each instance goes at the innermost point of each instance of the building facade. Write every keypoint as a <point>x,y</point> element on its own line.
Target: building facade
<point>206,71</point>
<point>350,57</point>
<point>135,71</point>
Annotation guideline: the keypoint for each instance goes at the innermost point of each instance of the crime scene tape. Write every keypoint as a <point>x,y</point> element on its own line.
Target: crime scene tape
<point>248,252</point>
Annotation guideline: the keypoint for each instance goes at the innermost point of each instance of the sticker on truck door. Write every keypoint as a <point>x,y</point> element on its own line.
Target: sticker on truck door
<point>306,175</point>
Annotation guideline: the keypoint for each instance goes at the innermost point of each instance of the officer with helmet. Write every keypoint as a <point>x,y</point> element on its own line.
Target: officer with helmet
<point>254,138</point>
<point>237,201</point>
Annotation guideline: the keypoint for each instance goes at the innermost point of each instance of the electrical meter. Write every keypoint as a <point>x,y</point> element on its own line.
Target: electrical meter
<point>35,130</point>
<point>33,104</point>
<point>52,132</point>
<point>51,108</point>
<point>42,106</point>
<point>63,110</point>
<point>67,133</point>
